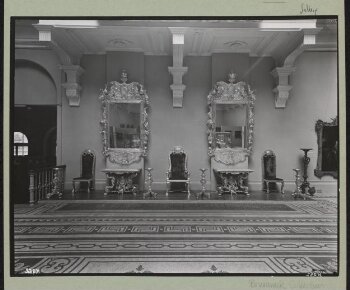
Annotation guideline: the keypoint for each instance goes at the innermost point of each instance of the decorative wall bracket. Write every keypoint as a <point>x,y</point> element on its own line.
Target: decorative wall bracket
<point>177,87</point>
<point>72,72</point>
<point>281,91</point>
<point>178,70</point>
<point>281,74</point>
<point>72,86</point>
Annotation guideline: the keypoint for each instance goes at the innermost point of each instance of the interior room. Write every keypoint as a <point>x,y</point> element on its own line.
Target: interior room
<point>169,146</point>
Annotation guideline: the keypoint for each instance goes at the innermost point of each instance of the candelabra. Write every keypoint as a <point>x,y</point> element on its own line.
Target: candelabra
<point>203,182</point>
<point>149,182</point>
<point>298,182</point>
<point>305,183</point>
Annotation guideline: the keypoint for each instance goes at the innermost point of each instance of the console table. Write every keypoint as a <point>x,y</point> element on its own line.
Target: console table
<point>120,180</point>
<point>233,180</point>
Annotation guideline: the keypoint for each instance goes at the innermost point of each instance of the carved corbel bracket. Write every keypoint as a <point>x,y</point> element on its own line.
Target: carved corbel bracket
<point>178,70</point>
<point>72,86</point>
<point>281,91</point>
<point>281,96</point>
<point>73,72</point>
<point>72,93</point>
<point>281,74</point>
<point>177,87</point>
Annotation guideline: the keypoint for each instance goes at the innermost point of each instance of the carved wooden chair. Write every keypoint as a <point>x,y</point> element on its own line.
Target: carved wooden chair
<point>87,170</point>
<point>177,175</point>
<point>269,172</point>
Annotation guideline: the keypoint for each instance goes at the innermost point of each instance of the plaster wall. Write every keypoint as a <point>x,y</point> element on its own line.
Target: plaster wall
<point>313,97</point>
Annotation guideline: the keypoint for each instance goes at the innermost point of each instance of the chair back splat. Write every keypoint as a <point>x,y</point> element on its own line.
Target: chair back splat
<point>87,170</point>
<point>87,164</point>
<point>269,165</point>
<point>178,176</point>
<point>269,172</point>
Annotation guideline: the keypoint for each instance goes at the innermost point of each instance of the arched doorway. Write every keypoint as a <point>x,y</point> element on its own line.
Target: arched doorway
<point>35,116</point>
<point>34,145</point>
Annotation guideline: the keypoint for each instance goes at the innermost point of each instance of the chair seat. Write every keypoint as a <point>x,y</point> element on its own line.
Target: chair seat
<point>178,180</point>
<point>273,179</point>
<point>82,178</point>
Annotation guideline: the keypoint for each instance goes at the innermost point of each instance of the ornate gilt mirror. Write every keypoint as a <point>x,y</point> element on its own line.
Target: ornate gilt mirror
<point>125,124</point>
<point>328,140</point>
<point>230,121</point>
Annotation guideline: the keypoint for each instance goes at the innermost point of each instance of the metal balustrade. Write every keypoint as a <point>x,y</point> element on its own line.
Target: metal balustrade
<point>46,182</point>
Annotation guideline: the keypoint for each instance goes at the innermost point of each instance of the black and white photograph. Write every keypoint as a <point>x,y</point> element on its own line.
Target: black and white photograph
<point>174,146</point>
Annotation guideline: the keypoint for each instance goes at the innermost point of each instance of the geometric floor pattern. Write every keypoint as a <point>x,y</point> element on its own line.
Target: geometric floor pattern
<point>177,237</point>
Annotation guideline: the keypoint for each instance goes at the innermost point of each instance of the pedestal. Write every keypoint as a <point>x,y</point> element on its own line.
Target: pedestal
<point>203,182</point>
<point>306,183</point>
<point>149,182</point>
<point>297,192</point>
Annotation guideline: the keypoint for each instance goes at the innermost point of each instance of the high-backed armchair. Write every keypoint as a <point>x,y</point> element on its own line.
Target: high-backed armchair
<point>269,172</point>
<point>87,170</point>
<point>177,175</point>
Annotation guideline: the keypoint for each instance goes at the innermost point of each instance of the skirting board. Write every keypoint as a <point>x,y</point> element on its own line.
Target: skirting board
<point>100,185</point>
<point>161,185</point>
<point>323,188</point>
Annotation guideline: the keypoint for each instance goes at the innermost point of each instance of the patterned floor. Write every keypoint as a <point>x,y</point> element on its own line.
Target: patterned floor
<point>140,237</point>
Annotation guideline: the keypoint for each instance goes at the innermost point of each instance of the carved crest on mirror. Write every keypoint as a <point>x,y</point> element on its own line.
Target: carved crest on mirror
<point>230,96</point>
<point>120,97</point>
<point>328,148</point>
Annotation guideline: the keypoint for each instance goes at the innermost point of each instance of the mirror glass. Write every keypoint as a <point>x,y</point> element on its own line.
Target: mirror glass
<point>124,125</point>
<point>329,148</point>
<point>230,125</point>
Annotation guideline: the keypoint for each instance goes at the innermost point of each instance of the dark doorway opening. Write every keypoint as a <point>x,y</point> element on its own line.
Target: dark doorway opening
<point>39,124</point>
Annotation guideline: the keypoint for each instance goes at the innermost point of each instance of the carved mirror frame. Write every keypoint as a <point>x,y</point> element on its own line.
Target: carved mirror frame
<point>319,131</point>
<point>230,92</point>
<point>123,92</point>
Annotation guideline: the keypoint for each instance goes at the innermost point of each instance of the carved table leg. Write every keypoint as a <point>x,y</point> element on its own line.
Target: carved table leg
<point>109,188</point>
<point>121,182</point>
<point>220,190</point>
<point>230,183</point>
<point>242,177</point>
<point>224,184</point>
<point>129,186</point>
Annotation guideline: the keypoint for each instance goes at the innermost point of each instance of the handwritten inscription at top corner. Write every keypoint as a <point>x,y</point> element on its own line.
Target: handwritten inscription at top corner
<point>306,9</point>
